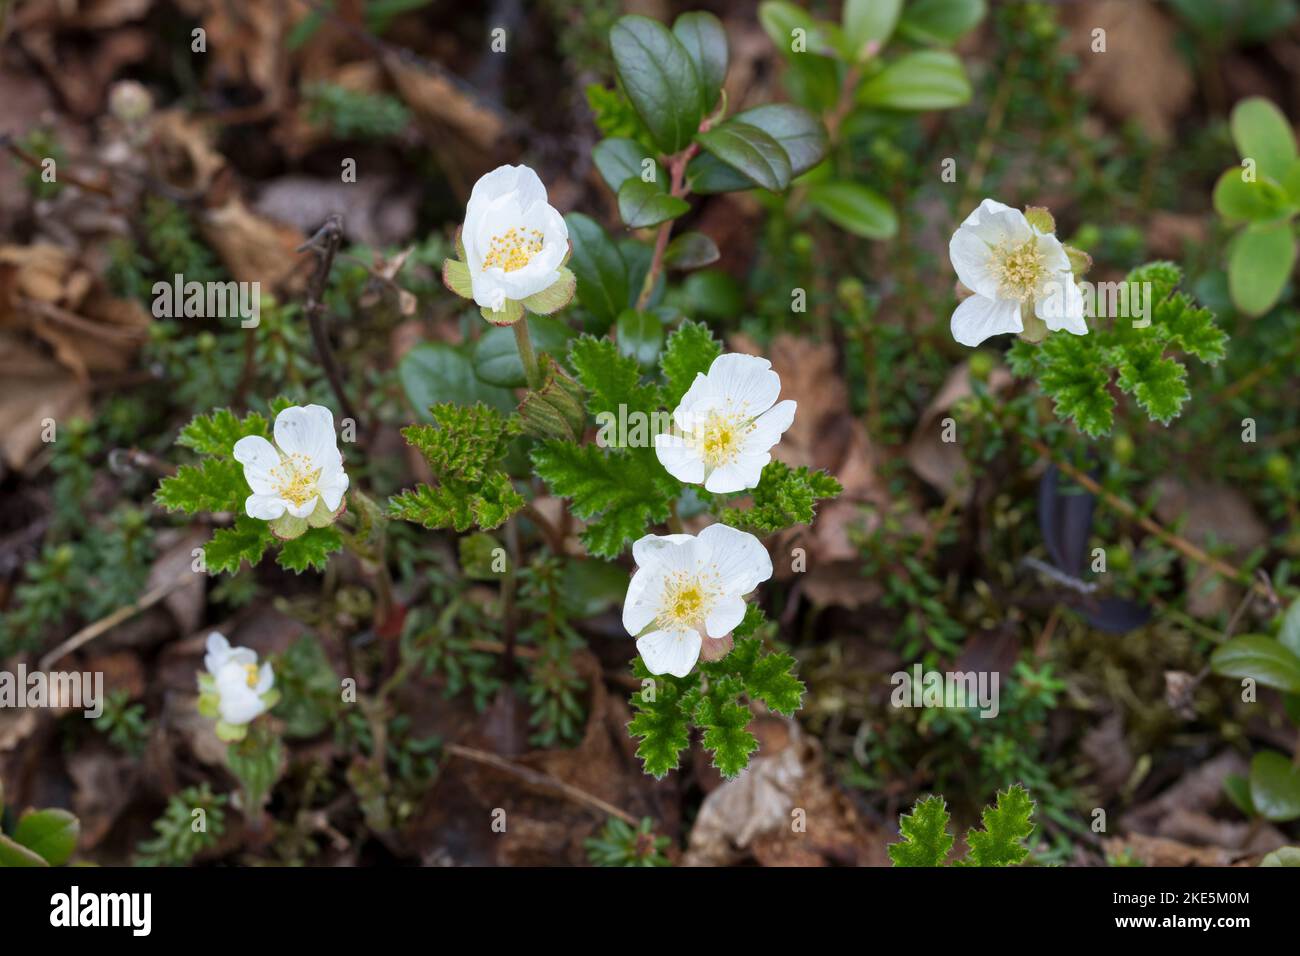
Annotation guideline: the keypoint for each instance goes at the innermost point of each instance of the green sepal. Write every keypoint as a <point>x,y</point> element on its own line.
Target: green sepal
<point>555,296</point>
<point>511,311</point>
<point>455,276</point>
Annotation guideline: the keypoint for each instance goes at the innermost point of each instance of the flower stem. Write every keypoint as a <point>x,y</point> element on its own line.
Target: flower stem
<point>524,340</point>
<point>677,172</point>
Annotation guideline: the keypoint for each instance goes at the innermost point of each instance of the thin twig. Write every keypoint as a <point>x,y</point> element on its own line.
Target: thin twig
<point>92,631</point>
<point>325,244</point>
<point>538,779</point>
<point>1177,542</point>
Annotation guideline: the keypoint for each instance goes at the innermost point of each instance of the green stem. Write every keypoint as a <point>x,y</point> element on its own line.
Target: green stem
<point>527,356</point>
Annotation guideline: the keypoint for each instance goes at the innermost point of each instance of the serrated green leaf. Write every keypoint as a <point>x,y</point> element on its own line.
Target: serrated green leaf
<point>1077,381</point>
<point>214,484</point>
<point>612,378</point>
<point>1158,383</point>
<point>725,724</point>
<point>619,493</point>
<point>663,723</point>
<point>926,840</point>
<point>690,350</point>
<point>1006,827</point>
<point>310,550</point>
<point>246,540</point>
<point>784,497</point>
<point>766,677</point>
<point>217,432</point>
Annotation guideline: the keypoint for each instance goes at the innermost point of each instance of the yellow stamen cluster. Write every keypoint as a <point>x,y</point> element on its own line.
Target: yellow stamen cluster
<point>252,674</point>
<point>1019,269</point>
<point>721,437</point>
<point>295,479</point>
<point>513,249</point>
<point>686,601</point>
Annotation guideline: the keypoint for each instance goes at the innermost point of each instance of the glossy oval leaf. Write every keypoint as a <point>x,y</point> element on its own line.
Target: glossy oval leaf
<point>1237,200</point>
<point>496,354</point>
<point>659,78</point>
<point>1275,786</point>
<point>1262,133</point>
<point>1289,635</point>
<point>691,250</point>
<point>640,336</point>
<point>940,22</point>
<point>619,160</point>
<point>437,372</point>
<point>1260,658</point>
<point>923,80</point>
<point>751,151</point>
<point>854,208</point>
<point>50,834</point>
<point>642,204</point>
<point>796,130</point>
<point>1260,259</point>
<point>702,36</point>
<point>868,21</point>
<point>602,273</point>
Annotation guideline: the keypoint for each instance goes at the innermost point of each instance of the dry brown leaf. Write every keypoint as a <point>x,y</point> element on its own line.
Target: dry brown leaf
<point>1141,75</point>
<point>252,247</point>
<point>938,462</point>
<point>782,810</point>
<point>32,389</point>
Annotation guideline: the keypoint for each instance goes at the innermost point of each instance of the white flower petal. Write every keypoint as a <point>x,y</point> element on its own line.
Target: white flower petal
<point>307,430</point>
<point>332,485</point>
<point>520,180</point>
<point>265,679</point>
<point>769,427</point>
<point>218,650</point>
<point>747,382</point>
<point>670,652</point>
<point>641,606</point>
<point>977,318</point>
<point>649,550</point>
<point>302,510</point>
<point>265,507</point>
<point>742,472</point>
<point>971,258</point>
<point>1062,305</point>
<point>725,615</point>
<point>737,557</point>
<point>680,459</point>
<point>258,456</point>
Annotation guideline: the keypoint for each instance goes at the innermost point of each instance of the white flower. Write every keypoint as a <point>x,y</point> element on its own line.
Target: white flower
<point>515,242</point>
<point>300,476</point>
<point>726,423</point>
<point>235,689</point>
<point>1017,271</point>
<point>686,588</point>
